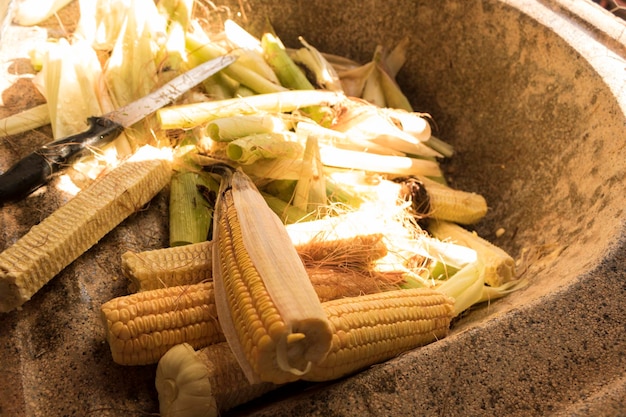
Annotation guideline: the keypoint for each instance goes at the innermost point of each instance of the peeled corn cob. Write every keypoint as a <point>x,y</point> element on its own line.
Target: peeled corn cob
<point>334,283</point>
<point>454,205</point>
<point>190,264</point>
<point>354,252</point>
<point>161,268</point>
<point>50,246</point>
<point>141,327</point>
<point>193,383</point>
<point>366,330</point>
<point>434,200</point>
<point>376,327</point>
<point>268,309</point>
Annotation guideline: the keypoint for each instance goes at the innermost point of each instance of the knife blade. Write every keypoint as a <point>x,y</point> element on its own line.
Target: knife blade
<point>37,168</point>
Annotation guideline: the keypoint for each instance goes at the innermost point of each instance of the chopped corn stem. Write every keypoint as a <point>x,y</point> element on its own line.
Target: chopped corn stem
<point>273,145</point>
<point>24,121</point>
<point>331,137</point>
<point>201,50</point>
<point>287,71</point>
<point>231,128</point>
<point>400,165</point>
<point>191,211</point>
<point>191,115</point>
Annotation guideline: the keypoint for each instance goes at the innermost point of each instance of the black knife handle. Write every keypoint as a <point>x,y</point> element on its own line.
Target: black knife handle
<point>36,169</point>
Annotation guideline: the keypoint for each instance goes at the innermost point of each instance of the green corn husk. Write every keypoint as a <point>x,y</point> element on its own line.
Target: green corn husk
<point>373,90</point>
<point>310,191</point>
<point>288,213</point>
<point>201,49</point>
<point>325,75</point>
<point>395,59</point>
<point>353,80</point>
<point>191,212</point>
<point>287,71</point>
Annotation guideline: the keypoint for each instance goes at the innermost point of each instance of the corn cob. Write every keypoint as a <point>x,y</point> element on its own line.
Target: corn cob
<point>334,283</point>
<point>58,240</point>
<point>190,264</point>
<point>455,205</point>
<point>434,200</point>
<point>268,309</point>
<point>193,383</point>
<point>354,252</point>
<point>221,372</point>
<point>498,266</point>
<point>180,265</point>
<point>141,327</point>
<point>184,385</point>
<point>367,330</point>
<point>377,327</point>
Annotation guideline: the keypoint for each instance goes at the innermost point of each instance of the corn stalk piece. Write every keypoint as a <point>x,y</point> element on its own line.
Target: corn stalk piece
<point>25,120</point>
<point>498,266</point>
<point>53,244</point>
<point>268,309</point>
<point>191,115</point>
<point>367,330</point>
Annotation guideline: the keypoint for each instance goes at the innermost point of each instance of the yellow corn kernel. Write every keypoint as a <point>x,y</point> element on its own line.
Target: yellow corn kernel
<point>59,239</point>
<point>377,327</point>
<point>141,327</point>
<point>179,265</point>
<point>366,330</point>
<point>126,320</point>
<point>268,309</point>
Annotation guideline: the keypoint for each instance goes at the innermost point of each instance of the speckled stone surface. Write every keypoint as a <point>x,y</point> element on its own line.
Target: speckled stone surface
<point>533,96</point>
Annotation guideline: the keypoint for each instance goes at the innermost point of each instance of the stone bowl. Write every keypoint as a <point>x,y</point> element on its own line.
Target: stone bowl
<point>532,94</point>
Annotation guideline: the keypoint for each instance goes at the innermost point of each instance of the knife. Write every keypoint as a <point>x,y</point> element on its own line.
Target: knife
<point>36,169</point>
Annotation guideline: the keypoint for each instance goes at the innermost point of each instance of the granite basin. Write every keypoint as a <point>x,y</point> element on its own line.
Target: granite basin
<point>532,94</point>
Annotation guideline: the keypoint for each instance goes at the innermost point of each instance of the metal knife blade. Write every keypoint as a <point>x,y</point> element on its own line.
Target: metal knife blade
<point>132,113</point>
<point>37,168</point>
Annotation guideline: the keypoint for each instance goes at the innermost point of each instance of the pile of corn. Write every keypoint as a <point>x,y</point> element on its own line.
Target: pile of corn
<point>313,233</point>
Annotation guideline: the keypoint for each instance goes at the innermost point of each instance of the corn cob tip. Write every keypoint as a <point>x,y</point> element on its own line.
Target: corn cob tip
<point>11,295</point>
<point>183,386</point>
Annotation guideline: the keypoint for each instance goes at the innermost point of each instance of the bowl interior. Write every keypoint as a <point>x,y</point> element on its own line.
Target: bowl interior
<point>535,127</point>
<point>537,130</point>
